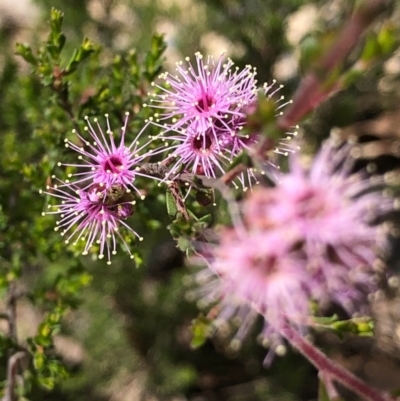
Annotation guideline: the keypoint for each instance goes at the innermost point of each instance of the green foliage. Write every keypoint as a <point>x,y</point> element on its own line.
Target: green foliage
<point>48,60</point>
<point>172,209</point>
<point>153,60</point>
<point>381,44</point>
<point>361,326</point>
<point>200,331</point>
<point>56,86</point>
<point>186,231</point>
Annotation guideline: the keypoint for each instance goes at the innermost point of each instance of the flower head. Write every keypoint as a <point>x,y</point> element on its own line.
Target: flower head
<point>199,153</point>
<point>335,213</point>
<point>314,236</point>
<point>105,162</point>
<point>204,154</point>
<point>206,109</point>
<point>256,272</point>
<point>201,96</point>
<point>93,216</point>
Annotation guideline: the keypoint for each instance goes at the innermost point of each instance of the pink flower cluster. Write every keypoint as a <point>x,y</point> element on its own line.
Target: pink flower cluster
<point>314,236</point>
<point>203,112</point>
<point>96,199</point>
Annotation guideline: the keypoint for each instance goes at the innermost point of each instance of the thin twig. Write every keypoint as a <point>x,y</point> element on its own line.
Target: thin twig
<point>13,369</point>
<point>173,187</point>
<point>67,107</point>
<point>230,175</point>
<point>12,311</point>
<point>13,365</point>
<point>61,91</point>
<point>330,368</point>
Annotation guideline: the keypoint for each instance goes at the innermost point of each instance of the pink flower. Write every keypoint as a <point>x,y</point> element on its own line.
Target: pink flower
<point>206,96</point>
<point>198,152</point>
<point>258,271</point>
<point>202,154</point>
<point>203,115</point>
<point>314,236</point>
<point>105,162</point>
<point>335,213</point>
<point>93,216</point>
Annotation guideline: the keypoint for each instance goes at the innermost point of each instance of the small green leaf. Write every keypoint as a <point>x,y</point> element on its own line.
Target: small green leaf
<point>371,48</point>
<point>352,76</point>
<point>313,47</point>
<point>153,61</point>
<point>326,320</point>
<point>38,361</point>
<point>183,244</point>
<point>55,46</point>
<point>201,327</point>
<point>81,54</point>
<point>362,326</point>
<point>56,40</point>
<point>206,219</point>
<point>388,38</point>
<point>134,67</point>
<point>47,382</point>
<point>172,209</point>
<point>322,393</point>
<point>26,53</point>
<point>56,20</point>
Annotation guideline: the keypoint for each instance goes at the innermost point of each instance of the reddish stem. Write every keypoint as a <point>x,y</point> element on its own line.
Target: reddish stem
<point>313,89</point>
<point>330,368</point>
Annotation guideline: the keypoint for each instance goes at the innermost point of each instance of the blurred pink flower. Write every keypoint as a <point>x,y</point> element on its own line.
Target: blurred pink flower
<point>313,237</point>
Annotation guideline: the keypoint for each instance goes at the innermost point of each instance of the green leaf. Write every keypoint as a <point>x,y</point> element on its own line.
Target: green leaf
<point>362,326</point>
<point>56,21</point>
<point>153,61</point>
<point>172,209</point>
<point>38,361</point>
<point>352,76</point>
<point>380,44</point>
<point>207,219</point>
<point>134,68</point>
<point>183,244</point>
<point>56,41</point>
<point>326,320</point>
<point>117,68</point>
<point>25,51</point>
<point>200,328</point>
<point>47,382</point>
<point>81,54</point>
<point>313,47</point>
<point>388,38</point>
<point>371,48</point>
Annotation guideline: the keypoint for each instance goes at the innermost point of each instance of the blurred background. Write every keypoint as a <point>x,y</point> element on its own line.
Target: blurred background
<point>129,337</point>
